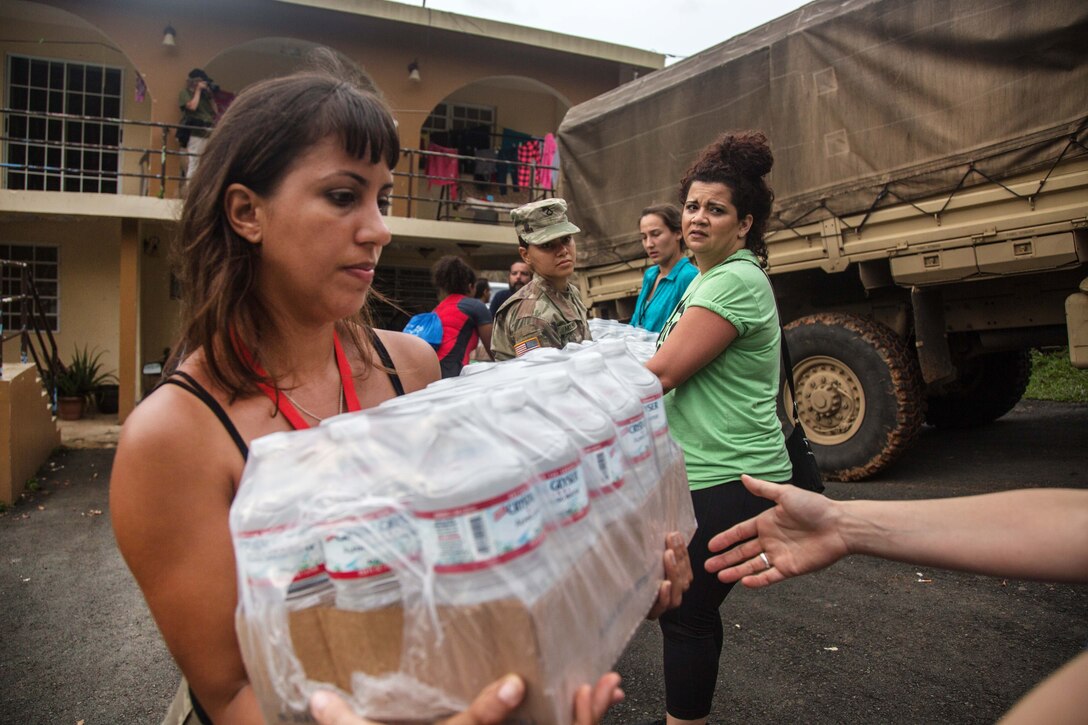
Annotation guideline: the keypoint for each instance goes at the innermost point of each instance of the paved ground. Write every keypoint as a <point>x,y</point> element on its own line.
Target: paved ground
<point>863,642</point>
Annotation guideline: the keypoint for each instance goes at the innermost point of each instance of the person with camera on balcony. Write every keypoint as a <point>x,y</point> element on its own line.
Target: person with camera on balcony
<point>198,111</point>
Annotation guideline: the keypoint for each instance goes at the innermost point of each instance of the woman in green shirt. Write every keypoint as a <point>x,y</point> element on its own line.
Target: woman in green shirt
<point>718,358</point>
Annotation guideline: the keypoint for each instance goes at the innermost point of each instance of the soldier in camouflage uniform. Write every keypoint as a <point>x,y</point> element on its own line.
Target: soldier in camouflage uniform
<point>547,312</point>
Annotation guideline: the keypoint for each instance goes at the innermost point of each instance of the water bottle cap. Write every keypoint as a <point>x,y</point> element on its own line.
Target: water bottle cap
<point>588,361</point>
<point>554,381</point>
<point>509,399</point>
<point>613,346</point>
<point>269,444</point>
<point>347,427</point>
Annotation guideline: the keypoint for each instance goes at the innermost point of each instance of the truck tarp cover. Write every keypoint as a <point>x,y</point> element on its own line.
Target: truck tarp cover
<point>908,98</point>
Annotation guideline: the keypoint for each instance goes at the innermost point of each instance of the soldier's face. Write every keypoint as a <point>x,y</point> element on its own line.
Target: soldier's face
<point>553,260</point>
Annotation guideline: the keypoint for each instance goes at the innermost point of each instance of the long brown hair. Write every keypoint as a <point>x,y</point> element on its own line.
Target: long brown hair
<point>740,161</point>
<point>256,142</point>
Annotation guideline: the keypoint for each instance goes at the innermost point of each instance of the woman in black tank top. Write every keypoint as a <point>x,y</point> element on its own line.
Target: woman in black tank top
<point>279,238</point>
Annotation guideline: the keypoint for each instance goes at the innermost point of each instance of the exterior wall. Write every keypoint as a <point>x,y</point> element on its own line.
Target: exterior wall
<point>89,282</point>
<point>28,433</point>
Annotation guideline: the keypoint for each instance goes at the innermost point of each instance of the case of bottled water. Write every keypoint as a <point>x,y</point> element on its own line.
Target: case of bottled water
<point>511,519</point>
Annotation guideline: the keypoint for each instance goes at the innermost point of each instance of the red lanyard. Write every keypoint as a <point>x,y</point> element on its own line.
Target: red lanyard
<point>284,405</point>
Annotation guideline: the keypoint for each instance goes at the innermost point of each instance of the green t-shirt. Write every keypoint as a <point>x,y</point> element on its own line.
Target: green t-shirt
<point>724,415</point>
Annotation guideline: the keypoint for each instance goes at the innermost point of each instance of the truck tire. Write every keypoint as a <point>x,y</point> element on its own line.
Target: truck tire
<point>860,393</point>
<point>988,387</point>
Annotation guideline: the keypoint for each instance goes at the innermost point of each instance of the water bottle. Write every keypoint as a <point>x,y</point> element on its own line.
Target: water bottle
<point>479,517</point>
<point>556,464</point>
<point>624,408</point>
<point>648,388</point>
<point>592,431</point>
<point>365,532</point>
<point>276,551</point>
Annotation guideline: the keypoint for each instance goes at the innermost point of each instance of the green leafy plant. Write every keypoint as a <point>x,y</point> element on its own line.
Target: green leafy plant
<point>1054,378</point>
<point>83,375</point>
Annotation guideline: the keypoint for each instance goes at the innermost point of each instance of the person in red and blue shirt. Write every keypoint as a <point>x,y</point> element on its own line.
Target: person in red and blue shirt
<point>465,319</point>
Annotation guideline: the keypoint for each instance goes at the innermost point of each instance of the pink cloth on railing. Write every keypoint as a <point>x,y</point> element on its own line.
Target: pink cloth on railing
<point>442,170</point>
<point>528,154</point>
<point>545,177</point>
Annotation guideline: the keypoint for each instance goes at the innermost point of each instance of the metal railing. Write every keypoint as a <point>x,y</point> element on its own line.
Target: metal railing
<point>158,166</point>
<point>36,341</point>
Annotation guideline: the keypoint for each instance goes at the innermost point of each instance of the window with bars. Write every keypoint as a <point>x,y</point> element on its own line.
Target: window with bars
<point>44,153</point>
<point>458,116</point>
<point>43,261</point>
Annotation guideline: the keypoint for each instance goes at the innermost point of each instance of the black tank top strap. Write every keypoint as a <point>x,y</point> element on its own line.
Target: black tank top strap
<point>190,384</point>
<point>387,361</point>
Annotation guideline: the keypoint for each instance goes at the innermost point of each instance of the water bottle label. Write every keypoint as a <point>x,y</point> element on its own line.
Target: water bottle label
<point>483,534</point>
<point>605,461</point>
<point>654,408</point>
<point>567,492</point>
<point>278,557</point>
<point>635,439</point>
<point>351,545</point>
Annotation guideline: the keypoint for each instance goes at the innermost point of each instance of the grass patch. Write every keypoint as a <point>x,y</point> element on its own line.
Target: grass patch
<point>1053,377</point>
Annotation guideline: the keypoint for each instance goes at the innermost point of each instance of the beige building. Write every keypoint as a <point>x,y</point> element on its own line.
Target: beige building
<point>92,171</point>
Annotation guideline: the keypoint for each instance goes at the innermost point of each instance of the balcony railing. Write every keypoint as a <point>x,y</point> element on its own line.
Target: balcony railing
<point>52,153</point>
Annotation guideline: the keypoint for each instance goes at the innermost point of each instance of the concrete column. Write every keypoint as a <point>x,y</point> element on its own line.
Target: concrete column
<point>127,372</point>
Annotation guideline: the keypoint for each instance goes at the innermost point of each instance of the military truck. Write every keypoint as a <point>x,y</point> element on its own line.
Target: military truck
<point>931,213</point>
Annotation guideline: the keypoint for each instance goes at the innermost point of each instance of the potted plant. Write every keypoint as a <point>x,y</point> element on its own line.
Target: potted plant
<point>76,382</point>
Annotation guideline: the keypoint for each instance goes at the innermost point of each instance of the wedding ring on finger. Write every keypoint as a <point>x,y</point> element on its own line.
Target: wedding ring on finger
<point>766,561</point>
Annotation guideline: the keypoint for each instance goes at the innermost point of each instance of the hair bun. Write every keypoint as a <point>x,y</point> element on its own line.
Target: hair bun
<point>746,151</point>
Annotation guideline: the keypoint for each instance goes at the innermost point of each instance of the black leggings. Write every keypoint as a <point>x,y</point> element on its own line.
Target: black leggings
<point>693,631</point>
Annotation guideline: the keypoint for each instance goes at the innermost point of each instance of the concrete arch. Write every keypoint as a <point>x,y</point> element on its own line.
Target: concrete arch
<point>521,103</point>
<point>243,64</point>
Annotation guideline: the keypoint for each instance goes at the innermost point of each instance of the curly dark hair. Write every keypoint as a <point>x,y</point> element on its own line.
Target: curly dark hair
<point>739,160</point>
<point>452,275</point>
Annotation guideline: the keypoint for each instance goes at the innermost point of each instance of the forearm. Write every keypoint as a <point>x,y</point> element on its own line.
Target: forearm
<point>1029,534</point>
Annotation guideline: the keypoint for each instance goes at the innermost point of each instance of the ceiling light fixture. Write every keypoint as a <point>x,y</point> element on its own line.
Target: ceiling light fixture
<point>169,36</point>
<point>413,72</point>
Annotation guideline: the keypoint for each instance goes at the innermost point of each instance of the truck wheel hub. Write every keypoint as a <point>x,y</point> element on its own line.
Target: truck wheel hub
<point>831,401</point>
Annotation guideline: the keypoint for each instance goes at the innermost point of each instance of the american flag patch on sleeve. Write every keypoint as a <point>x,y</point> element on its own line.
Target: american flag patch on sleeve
<point>526,345</point>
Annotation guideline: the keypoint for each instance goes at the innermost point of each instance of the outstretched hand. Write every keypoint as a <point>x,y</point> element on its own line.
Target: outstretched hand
<point>799,535</point>
<point>678,576</point>
<point>492,706</point>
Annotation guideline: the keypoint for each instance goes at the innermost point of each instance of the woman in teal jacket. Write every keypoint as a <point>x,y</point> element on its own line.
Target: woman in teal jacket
<point>666,281</point>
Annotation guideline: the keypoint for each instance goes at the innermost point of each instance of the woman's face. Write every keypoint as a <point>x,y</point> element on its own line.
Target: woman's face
<point>322,232</point>
<point>712,229</point>
<point>662,244</point>
<point>553,260</point>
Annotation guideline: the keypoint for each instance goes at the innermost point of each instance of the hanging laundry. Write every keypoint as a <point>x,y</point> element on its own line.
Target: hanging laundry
<point>508,151</point>
<point>545,175</point>
<point>486,167</point>
<point>442,170</point>
<point>528,153</point>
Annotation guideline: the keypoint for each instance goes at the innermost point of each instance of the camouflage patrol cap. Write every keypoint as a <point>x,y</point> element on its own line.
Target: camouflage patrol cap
<point>542,221</point>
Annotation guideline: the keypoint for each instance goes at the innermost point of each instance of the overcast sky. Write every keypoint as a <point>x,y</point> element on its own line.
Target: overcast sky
<point>677,28</point>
